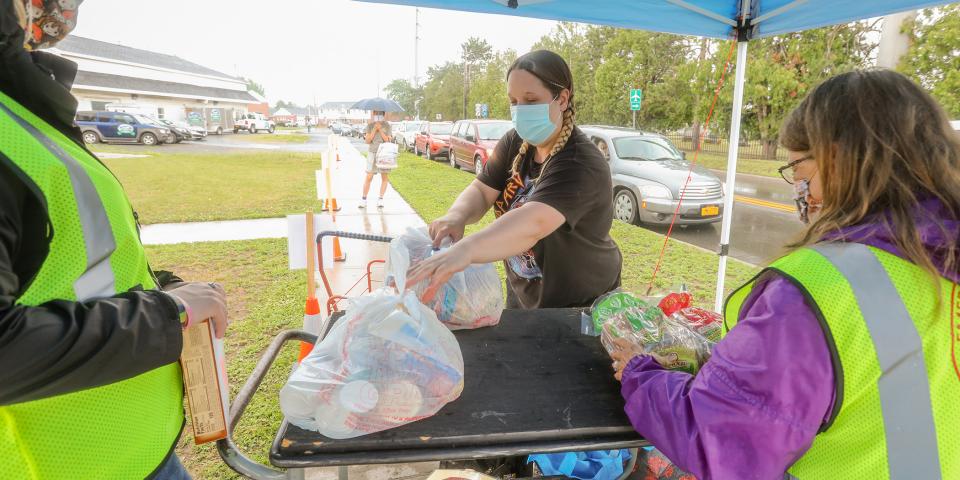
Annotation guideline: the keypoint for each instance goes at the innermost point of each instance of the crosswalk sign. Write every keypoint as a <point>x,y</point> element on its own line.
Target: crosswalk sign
<point>636,97</point>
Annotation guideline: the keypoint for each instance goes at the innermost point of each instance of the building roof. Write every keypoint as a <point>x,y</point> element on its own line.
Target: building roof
<point>96,48</point>
<point>141,85</point>
<point>337,105</point>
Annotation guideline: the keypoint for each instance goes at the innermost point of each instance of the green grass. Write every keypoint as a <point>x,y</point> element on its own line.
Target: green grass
<point>682,263</point>
<point>273,138</point>
<point>764,168</point>
<point>190,187</point>
<point>265,297</point>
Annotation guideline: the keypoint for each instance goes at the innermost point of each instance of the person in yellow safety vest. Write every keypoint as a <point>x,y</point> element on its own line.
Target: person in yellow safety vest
<point>90,387</point>
<point>840,360</point>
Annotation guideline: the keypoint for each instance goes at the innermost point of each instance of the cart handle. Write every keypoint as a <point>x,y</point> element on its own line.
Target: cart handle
<point>229,452</point>
<point>335,233</point>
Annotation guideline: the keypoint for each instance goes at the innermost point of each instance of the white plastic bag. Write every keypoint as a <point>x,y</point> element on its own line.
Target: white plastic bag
<point>386,363</point>
<point>470,299</point>
<point>387,154</point>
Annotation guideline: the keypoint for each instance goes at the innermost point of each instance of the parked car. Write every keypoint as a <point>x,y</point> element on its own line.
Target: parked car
<point>472,142</point>
<point>434,140</point>
<point>648,175</point>
<point>405,133</point>
<point>119,127</point>
<point>253,123</point>
<point>178,133</point>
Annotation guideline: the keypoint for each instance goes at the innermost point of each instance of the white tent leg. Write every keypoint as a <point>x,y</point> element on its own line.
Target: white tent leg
<point>733,151</point>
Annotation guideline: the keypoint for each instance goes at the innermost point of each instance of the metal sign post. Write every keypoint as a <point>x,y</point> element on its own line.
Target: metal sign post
<point>636,98</point>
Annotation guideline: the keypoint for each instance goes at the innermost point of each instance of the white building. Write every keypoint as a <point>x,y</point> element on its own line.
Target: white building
<point>112,77</point>
<point>334,111</point>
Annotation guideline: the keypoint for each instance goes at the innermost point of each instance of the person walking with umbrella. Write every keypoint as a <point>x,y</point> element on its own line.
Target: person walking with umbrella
<point>377,132</point>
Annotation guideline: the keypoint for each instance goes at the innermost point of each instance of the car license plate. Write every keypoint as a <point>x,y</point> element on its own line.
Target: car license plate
<point>710,211</point>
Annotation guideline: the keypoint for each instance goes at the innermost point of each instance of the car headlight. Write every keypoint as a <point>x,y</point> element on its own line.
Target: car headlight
<point>164,131</point>
<point>489,152</point>
<point>655,191</point>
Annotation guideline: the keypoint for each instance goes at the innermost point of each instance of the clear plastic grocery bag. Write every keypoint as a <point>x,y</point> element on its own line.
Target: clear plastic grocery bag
<point>470,299</point>
<point>386,363</point>
<point>387,154</point>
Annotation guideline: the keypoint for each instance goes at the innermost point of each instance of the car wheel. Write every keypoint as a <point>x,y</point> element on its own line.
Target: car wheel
<point>148,139</point>
<point>416,149</point>
<point>236,130</point>
<point>477,164</point>
<point>625,207</point>
<point>453,159</point>
<point>429,152</point>
<point>403,145</point>
<point>220,131</point>
<point>252,130</point>
<point>91,137</point>
<point>270,130</point>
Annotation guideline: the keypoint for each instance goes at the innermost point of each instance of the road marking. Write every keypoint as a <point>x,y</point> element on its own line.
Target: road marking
<point>767,204</point>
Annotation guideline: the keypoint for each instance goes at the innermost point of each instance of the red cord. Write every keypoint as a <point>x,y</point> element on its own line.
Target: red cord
<point>696,153</point>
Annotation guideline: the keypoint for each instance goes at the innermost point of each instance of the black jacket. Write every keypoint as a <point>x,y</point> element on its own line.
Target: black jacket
<point>62,346</point>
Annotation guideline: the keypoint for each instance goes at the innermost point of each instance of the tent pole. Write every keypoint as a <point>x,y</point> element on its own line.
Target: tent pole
<point>732,151</point>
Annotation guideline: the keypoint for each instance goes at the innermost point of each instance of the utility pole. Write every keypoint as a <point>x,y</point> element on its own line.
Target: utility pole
<point>893,42</point>
<point>416,51</point>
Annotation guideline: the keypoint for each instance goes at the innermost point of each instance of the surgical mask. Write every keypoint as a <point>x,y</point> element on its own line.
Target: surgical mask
<point>46,22</point>
<point>533,122</point>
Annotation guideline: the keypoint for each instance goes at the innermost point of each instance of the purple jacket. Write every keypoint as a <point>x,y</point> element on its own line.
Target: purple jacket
<point>755,407</point>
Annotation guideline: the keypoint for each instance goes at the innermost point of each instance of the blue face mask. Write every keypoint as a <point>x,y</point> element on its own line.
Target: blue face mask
<point>533,122</point>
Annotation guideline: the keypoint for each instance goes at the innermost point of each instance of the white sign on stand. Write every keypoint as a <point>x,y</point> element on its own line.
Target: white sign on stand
<point>296,240</point>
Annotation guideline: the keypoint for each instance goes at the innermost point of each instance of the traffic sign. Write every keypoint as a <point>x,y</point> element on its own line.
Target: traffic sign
<point>439,116</point>
<point>636,98</point>
<point>484,111</point>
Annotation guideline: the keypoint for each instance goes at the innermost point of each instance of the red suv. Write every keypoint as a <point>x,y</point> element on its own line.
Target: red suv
<point>473,141</point>
<point>434,140</point>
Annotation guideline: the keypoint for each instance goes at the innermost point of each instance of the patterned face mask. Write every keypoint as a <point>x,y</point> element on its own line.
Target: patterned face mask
<point>801,191</point>
<point>46,22</point>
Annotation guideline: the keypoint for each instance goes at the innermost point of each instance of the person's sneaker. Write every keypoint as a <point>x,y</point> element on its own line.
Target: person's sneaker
<point>380,203</point>
<point>363,203</point>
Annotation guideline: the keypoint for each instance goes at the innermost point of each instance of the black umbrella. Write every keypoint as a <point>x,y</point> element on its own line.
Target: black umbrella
<point>378,104</point>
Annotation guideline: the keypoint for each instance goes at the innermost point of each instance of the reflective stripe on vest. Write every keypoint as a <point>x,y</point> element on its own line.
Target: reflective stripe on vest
<point>121,430</point>
<point>97,281</point>
<point>904,387</point>
<point>890,332</point>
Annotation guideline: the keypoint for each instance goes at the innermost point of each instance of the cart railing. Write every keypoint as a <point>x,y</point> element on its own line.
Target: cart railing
<point>229,452</point>
<point>332,299</point>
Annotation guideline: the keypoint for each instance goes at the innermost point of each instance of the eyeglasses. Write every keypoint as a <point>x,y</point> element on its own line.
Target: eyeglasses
<point>787,172</point>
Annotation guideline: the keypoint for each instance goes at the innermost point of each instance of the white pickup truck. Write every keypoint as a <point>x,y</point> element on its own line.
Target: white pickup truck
<point>253,123</point>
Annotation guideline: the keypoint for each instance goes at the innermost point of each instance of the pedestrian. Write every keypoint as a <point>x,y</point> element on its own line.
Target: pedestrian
<point>841,357</point>
<point>377,132</point>
<point>90,387</point>
<point>550,189</point>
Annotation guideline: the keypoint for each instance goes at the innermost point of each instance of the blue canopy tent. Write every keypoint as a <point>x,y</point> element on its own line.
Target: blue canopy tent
<point>743,20</point>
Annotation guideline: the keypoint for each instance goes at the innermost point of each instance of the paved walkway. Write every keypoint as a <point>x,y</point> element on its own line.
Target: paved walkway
<point>396,216</point>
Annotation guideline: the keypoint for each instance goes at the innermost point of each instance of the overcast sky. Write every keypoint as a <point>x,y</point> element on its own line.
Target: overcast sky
<point>334,50</point>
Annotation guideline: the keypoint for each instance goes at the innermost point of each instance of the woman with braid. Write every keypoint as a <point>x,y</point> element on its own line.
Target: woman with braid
<point>551,192</point>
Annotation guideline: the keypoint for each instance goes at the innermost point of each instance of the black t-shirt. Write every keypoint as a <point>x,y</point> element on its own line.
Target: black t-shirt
<point>579,261</point>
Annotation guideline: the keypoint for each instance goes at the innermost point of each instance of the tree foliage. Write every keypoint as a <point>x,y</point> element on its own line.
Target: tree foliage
<point>934,56</point>
<point>254,86</point>
<point>679,74</point>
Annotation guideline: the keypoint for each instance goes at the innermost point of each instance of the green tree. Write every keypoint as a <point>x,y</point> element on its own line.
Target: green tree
<point>253,86</point>
<point>402,92</point>
<point>443,91</point>
<point>475,53</point>
<point>934,56</point>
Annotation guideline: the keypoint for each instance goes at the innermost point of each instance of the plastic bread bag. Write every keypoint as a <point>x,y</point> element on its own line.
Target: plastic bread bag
<point>472,298</point>
<point>666,326</point>
<point>388,362</point>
